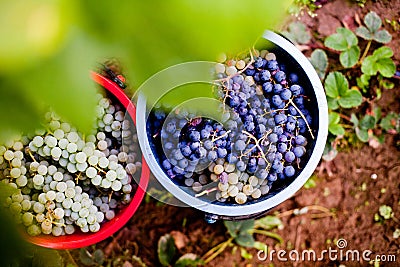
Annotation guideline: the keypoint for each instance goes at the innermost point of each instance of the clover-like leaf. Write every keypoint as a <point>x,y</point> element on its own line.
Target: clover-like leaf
<point>380,61</point>
<point>349,57</point>
<point>332,103</point>
<point>364,33</point>
<point>342,40</point>
<point>354,120</point>
<point>334,127</point>
<point>268,222</point>
<point>373,21</point>
<point>372,32</point>
<point>352,98</point>
<point>390,121</point>
<point>245,239</point>
<point>336,84</point>
<point>382,36</point>
<point>368,122</point>
<point>319,60</point>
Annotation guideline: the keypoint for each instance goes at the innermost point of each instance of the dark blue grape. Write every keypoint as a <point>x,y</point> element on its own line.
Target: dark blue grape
<point>249,72</point>
<point>289,171</point>
<point>277,88</point>
<point>232,158</point>
<point>286,94</point>
<point>267,87</point>
<point>186,151</point>
<point>240,145</point>
<point>212,155</point>
<point>293,77</point>
<point>282,147</point>
<point>241,166</point>
<point>280,76</point>
<point>194,146</point>
<point>272,177</point>
<point>262,174</point>
<point>299,151</point>
<point>290,126</point>
<point>171,127</point>
<point>289,156</point>
<point>272,65</point>
<point>194,136</point>
<point>166,164</point>
<point>280,118</point>
<point>222,152</point>
<point>276,100</point>
<point>273,138</point>
<point>300,140</point>
<point>265,75</point>
<point>296,89</point>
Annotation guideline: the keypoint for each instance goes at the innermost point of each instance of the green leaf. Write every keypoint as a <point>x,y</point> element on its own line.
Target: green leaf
<point>44,257</point>
<point>387,84</point>
<point>354,120</point>
<point>166,249</point>
<point>85,257</point>
<point>334,127</point>
<point>19,115</point>
<point>245,239</point>
<point>245,254</point>
<point>310,183</point>
<point>260,246</point>
<point>386,67</point>
<point>368,122</point>
<point>268,222</point>
<point>329,152</point>
<point>336,84</point>
<point>364,33</point>
<point>342,40</point>
<point>373,21</point>
<point>389,121</point>
<point>383,52</point>
<point>235,228</point>
<point>352,98</point>
<point>377,113</point>
<point>297,33</point>
<point>349,57</point>
<point>333,103</point>
<point>188,260</point>
<point>362,135</point>
<point>369,66</point>
<point>382,36</point>
<point>98,256</point>
<point>319,60</point>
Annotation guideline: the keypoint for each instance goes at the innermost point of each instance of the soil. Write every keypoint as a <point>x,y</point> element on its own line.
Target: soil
<point>350,193</point>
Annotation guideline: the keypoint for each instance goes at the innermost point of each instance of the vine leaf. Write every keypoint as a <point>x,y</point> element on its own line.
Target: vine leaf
<point>338,92</point>
<point>319,60</point>
<point>334,127</point>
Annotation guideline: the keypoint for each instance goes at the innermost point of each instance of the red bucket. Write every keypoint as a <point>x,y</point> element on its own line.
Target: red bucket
<point>79,239</point>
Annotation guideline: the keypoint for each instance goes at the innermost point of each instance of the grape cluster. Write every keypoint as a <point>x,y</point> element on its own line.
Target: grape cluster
<point>262,140</point>
<point>66,180</point>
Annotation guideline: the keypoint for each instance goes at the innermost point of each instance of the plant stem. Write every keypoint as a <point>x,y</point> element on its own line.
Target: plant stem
<point>365,51</point>
<point>215,251</point>
<point>268,233</point>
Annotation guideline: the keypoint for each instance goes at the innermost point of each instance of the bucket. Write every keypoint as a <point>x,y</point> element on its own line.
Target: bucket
<point>214,210</point>
<point>108,228</point>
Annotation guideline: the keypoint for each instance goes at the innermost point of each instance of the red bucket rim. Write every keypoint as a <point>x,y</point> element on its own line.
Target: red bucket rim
<point>78,240</point>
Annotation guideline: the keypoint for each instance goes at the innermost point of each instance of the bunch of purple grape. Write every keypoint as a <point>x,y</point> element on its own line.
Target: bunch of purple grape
<point>261,138</point>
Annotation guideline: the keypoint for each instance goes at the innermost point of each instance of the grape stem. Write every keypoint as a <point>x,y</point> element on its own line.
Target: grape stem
<point>222,136</point>
<point>30,154</point>
<point>206,192</point>
<point>302,115</point>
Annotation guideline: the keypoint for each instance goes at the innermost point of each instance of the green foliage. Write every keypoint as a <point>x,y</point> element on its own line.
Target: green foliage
<point>386,212</point>
<point>91,259</point>
<point>298,7</point>
<point>167,252</point>
<point>380,61</point>
<point>166,249</point>
<point>339,93</point>
<point>311,182</point>
<point>372,32</point>
<point>345,41</point>
<point>362,126</point>
<point>241,232</point>
<point>268,222</point>
<point>334,124</point>
<point>297,33</point>
<point>391,122</point>
<point>319,60</point>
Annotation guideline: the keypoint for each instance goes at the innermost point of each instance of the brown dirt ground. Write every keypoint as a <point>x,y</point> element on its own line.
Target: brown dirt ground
<point>350,191</point>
